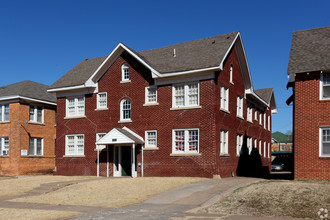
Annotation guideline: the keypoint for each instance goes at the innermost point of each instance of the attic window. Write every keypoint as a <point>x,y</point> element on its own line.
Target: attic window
<point>325,86</point>
<point>125,72</point>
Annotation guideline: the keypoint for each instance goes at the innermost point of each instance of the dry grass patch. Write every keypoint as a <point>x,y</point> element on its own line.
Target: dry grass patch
<point>17,186</point>
<point>299,199</point>
<point>111,192</point>
<point>29,214</point>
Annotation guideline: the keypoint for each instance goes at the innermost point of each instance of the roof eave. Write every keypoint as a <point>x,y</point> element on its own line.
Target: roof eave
<point>8,98</point>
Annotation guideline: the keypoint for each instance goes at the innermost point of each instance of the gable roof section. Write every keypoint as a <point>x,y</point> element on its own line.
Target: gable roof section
<point>310,51</point>
<point>268,96</point>
<point>28,90</point>
<point>120,136</point>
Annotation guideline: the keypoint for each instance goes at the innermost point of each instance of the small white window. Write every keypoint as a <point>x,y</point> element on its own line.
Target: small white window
<point>255,143</point>
<point>268,152</point>
<point>249,144</point>
<point>98,137</point>
<point>260,118</point>
<point>75,106</point>
<point>4,112</point>
<point>74,145</point>
<point>125,110</point>
<point>239,143</point>
<point>125,72</point>
<point>102,100</point>
<point>185,95</point>
<point>260,147</point>
<point>151,94</point>
<point>4,146</point>
<point>185,140</point>
<point>231,74</point>
<point>151,138</point>
<point>324,150</point>
<point>265,120</point>
<point>325,86</point>
<point>36,114</point>
<point>224,142</point>
<point>36,146</point>
<point>268,123</point>
<point>264,148</point>
<point>224,98</point>
<point>249,113</point>
<point>256,114</point>
<point>239,107</point>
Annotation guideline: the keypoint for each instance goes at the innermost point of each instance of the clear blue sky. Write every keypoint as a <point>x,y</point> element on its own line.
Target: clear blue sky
<point>42,40</point>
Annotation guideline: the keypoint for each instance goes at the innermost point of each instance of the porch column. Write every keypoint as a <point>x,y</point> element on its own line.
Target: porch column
<point>107,160</point>
<point>98,161</point>
<point>133,161</point>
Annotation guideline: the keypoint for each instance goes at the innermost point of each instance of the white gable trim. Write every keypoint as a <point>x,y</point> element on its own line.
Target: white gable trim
<point>133,133</point>
<point>6,98</point>
<point>114,137</point>
<point>226,54</point>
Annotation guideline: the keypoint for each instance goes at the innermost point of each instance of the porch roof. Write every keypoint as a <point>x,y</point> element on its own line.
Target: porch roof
<point>120,136</point>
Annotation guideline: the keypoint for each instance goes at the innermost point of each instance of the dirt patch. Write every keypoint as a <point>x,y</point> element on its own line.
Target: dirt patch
<point>110,192</point>
<point>298,199</point>
<point>29,214</point>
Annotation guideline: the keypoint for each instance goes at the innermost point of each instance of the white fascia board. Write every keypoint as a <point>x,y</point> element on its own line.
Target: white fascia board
<point>67,88</point>
<point>164,75</point>
<point>6,98</point>
<point>257,97</point>
<point>135,134</point>
<point>226,54</point>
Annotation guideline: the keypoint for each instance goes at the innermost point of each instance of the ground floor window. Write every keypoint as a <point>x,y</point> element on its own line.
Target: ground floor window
<point>224,142</point>
<point>35,146</point>
<point>74,145</point>
<point>324,150</point>
<point>151,138</point>
<point>4,146</point>
<point>239,143</point>
<point>186,140</point>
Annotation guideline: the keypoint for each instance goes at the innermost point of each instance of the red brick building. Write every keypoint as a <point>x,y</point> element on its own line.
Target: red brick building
<point>181,110</point>
<point>27,129</point>
<point>309,66</point>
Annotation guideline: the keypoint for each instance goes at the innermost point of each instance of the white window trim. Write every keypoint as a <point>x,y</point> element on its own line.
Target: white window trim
<point>249,144</point>
<point>268,152</point>
<point>260,117</point>
<point>321,87</point>
<point>125,65</point>
<point>265,127</point>
<point>121,110</point>
<point>239,144</point>
<point>186,95</point>
<point>76,114</point>
<point>265,149</point>
<point>321,141</point>
<point>147,94</point>
<point>249,113</point>
<point>2,144</point>
<point>75,145</point>
<point>98,138</point>
<point>35,147</point>
<point>2,116</point>
<point>260,147</point>
<point>226,100</point>
<point>231,74</point>
<point>239,107</point>
<point>146,139</point>
<point>224,145</point>
<point>35,114</point>
<point>98,100</point>
<point>186,141</point>
<point>268,122</point>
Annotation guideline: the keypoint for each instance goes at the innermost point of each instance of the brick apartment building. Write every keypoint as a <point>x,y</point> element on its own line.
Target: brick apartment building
<point>309,66</point>
<point>27,129</point>
<point>181,110</point>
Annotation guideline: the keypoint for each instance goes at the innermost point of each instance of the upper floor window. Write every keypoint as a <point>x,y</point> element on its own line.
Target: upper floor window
<point>224,98</point>
<point>36,146</point>
<point>256,114</point>
<point>260,118</point>
<point>151,138</point>
<point>186,95</point>
<point>239,106</point>
<point>4,146</point>
<point>125,72</point>
<point>324,150</point>
<point>268,123</point>
<point>74,145</point>
<point>125,109</point>
<point>151,94</point>
<point>325,86</point>
<point>75,106</point>
<point>36,114</point>
<point>249,113</point>
<point>260,147</point>
<point>185,140</point>
<point>102,100</point>
<point>224,142</point>
<point>4,112</point>
<point>231,74</point>
<point>265,120</point>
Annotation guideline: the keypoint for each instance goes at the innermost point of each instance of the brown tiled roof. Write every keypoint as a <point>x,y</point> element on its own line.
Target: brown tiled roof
<point>310,50</point>
<point>28,89</point>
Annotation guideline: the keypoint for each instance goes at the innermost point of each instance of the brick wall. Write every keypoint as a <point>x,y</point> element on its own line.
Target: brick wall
<point>309,115</point>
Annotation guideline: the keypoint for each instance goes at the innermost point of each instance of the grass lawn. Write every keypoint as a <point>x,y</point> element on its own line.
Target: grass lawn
<point>298,199</point>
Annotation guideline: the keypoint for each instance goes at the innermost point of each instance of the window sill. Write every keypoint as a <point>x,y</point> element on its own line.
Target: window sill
<point>224,155</point>
<point>78,156</point>
<point>240,117</point>
<point>185,154</point>
<point>101,109</point>
<point>125,81</point>
<point>225,110</point>
<point>324,157</point>
<point>4,156</point>
<point>75,117</point>
<point>150,148</point>
<point>249,121</point>
<point>33,156</point>
<point>185,108</point>
<point>125,121</point>
<point>36,123</point>
<point>4,122</point>
<point>150,104</point>
<point>231,83</point>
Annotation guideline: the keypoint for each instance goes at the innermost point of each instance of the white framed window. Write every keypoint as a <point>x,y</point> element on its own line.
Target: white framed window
<point>265,120</point>
<point>260,147</point>
<point>268,123</point>
<point>4,112</point>
<point>186,140</point>
<point>151,94</point>
<point>249,144</point>
<point>249,113</point>
<point>256,114</point>
<point>268,152</point>
<point>260,118</point>
<point>102,100</point>
<point>98,137</point>
<point>125,109</point>
<point>75,106</point>
<point>4,146</point>
<point>36,146</point>
<point>239,107</point>
<point>151,138</point>
<point>239,143</point>
<point>224,98</point>
<point>325,86</point>
<point>231,74</point>
<point>224,142</point>
<point>185,95</point>
<point>265,149</point>
<point>74,145</point>
<point>255,143</point>
<point>324,149</point>
<point>36,114</point>
<point>125,72</point>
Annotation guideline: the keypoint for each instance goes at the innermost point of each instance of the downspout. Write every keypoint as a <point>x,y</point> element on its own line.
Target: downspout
<point>142,163</point>
<point>98,161</point>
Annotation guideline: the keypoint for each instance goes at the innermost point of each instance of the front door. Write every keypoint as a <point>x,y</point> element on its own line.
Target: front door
<point>122,161</point>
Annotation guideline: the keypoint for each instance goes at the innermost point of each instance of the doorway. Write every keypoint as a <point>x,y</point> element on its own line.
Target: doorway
<point>122,165</point>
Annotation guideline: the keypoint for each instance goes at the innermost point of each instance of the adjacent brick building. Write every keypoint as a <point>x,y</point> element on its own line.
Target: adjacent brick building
<point>309,67</point>
<point>27,129</point>
<point>181,110</point>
